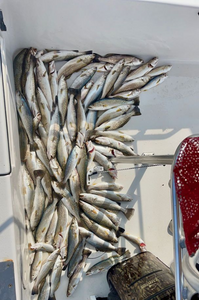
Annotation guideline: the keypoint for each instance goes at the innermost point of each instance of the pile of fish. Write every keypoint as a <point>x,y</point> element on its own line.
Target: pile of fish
<point>65,130</point>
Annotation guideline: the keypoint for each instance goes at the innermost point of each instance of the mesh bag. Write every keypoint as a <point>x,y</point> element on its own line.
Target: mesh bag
<point>186,175</point>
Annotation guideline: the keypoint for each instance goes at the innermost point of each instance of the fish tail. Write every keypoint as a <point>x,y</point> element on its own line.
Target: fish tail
<point>137,111</point>
<point>87,252</point>
<point>33,146</point>
<point>52,297</point>
<point>88,52</point>
<point>39,173</point>
<point>119,231</point>
<point>121,250</point>
<point>73,91</point>
<point>136,101</point>
<point>35,290</point>
<point>97,56</point>
<point>129,213</point>
<point>127,254</point>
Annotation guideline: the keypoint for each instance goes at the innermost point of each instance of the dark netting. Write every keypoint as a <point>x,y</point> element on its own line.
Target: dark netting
<point>186,174</point>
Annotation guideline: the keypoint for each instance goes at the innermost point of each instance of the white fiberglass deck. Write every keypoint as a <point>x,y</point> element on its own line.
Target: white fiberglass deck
<point>169,111</point>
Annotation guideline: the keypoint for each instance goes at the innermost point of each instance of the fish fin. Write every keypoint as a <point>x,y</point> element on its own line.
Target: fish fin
<point>119,231</point>
<point>129,213</point>
<point>35,290</point>
<point>121,250</point>
<point>39,173</point>
<point>96,58</point>
<point>73,91</point>
<point>137,101</point>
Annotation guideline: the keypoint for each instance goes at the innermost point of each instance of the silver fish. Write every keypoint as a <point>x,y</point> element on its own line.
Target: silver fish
<point>135,240</point>
<point>67,199</point>
<point>115,144</point>
<point>73,239</point>
<point>75,278</point>
<point>112,113</point>
<point>83,78</point>
<point>42,247</point>
<point>62,98</point>
<point>113,58</point>
<point>95,91</point>
<point>75,65</point>
<point>119,121</point>
<point>91,154</point>
<point>53,80</point>
<point>136,83</point>
<point>82,167</point>
<point>45,291</point>
<point>55,277</point>
<point>112,77</point>
<point>59,55</point>
<point>96,215</point>
<point>75,185</point>
<point>43,81</point>
<point>111,215</point>
<point>129,95</point>
<point>91,119</point>
<point>36,265</point>
<point>23,140</point>
<point>106,203</point>
<point>54,133</point>
<point>27,191</point>
<point>107,151</point>
<point>101,66</point>
<point>26,66</point>
<point>102,232</point>
<point>154,82</point>
<point>71,162</point>
<point>44,109</point>
<point>62,152</point>
<point>107,165</point>
<point>67,139</point>
<point>43,134</point>
<point>112,186</point>
<point>46,267</point>
<point>41,153</point>
<point>45,221</point>
<point>85,90</point>
<point>39,200</point>
<point>81,119</point>
<point>105,264</point>
<point>71,120</point>
<point>144,69</point>
<point>122,76</point>
<point>30,239</point>
<point>112,195</point>
<point>159,70</point>
<point>52,228</point>
<point>25,115</point>
<point>56,169</point>
<point>117,135</point>
<point>99,243</point>
<point>76,257</point>
<point>61,223</point>
<point>106,103</point>
<point>30,88</point>
<point>17,67</point>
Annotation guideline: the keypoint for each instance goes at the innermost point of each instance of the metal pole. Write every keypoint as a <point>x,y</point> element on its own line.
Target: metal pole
<point>144,159</point>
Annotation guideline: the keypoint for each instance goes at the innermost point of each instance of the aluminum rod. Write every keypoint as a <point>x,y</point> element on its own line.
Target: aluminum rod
<point>144,159</point>
<point>176,243</point>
